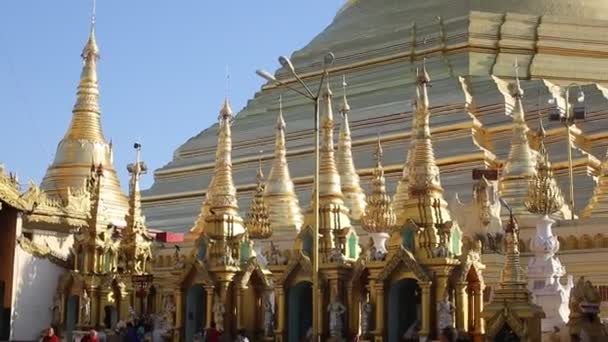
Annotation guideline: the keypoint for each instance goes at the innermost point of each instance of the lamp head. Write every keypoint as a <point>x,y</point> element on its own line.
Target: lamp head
<point>328,60</point>
<point>266,75</point>
<point>581,97</point>
<point>286,63</point>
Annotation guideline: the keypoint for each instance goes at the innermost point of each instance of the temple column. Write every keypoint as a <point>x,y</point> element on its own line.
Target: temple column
<point>479,329</point>
<point>425,329</point>
<point>471,310</point>
<point>379,326</point>
<point>178,314</point>
<point>123,311</point>
<point>372,299</point>
<point>321,310</point>
<point>209,306</point>
<point>280,328</point>
<point>461,306</point>
<point>352,311</point>
<point>239,308</point>
<point>103,295</point>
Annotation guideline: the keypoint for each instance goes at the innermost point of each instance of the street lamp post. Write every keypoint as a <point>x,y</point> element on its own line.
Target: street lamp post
<point>568,118</point>
<point>328,60</point>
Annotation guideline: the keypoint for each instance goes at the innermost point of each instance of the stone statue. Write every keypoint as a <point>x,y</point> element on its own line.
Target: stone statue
<point>226,259</point>
<point>336,310</point>
<point>274,255</point>
<point>336,255</point>
<point>445,313</point>
<point>169,309</point>
<point>584,320</point>
<point>85,308</point>
<point>268,317</point>
<point>366,317</point>
<point>219,309</point>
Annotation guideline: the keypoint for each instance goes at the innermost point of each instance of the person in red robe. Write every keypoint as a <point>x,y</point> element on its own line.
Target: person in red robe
<point>91,337</point>
<point>50,336</point>
<point>212,334</point>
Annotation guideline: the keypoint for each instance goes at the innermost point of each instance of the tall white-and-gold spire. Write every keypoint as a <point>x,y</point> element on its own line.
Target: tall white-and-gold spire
<point>136,244</point>
<point>333,214</point>
<point>219,217</point>
<point>354,197</point>
<point>84,143</point>
<point>279,194</point>
<point>520,166</point>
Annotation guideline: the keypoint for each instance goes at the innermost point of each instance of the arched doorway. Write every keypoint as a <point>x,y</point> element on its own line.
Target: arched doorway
<point>299,311</point>
<point>71,316</point>
<point>195,311</point>
<point>403,304</point>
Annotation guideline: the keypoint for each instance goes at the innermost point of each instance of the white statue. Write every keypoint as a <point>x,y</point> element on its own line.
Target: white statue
<point>86,308</point>
<point>268,317</point>
<point>132,314</point>
<point>482,215</point>
<point>169,309</point>
<point>336,310</point>
<point>219,309</point>
<point>366,317</point>
<point>445,313</point>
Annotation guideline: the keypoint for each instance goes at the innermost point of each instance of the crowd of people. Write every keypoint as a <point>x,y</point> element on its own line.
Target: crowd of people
<point>140,332</point>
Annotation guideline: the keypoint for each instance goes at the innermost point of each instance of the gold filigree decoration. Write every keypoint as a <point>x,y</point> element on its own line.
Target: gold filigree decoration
<point>257,221</point>
<point>544,195</point>
<point>379,216</point>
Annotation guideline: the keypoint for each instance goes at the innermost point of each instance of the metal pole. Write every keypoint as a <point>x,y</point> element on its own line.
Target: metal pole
<point>315,240</point>
<point>570,167</point>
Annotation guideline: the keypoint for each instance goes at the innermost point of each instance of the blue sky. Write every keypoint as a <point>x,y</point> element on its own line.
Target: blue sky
<point>162,69</point>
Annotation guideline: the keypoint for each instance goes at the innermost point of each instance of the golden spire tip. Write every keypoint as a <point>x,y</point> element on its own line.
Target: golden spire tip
<point>345,106</point>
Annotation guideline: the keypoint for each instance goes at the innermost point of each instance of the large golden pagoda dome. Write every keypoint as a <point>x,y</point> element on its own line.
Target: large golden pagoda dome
<point>84,145</point>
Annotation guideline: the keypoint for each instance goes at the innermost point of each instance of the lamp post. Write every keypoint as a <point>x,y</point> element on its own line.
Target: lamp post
<point>328,60</point>
<point>568,118</point>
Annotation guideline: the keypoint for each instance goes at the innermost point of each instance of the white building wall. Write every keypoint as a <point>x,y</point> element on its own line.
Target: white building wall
<point>34,285</point>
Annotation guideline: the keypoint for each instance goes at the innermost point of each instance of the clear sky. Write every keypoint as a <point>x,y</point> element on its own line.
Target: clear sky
<point>162,69</point>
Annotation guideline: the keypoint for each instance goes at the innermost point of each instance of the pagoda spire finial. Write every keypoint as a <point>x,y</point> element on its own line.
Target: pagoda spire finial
<point>379,216</point>
<point>136,243</point>
<point>280,196</point>
<point>134,217</point>
<point>257,221</point>
<point>520,166</point>
<point>425,204</point>
<point>333,214</point>
<point>220,206</point>
<point>329,178</point>
<point>350,184</point>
